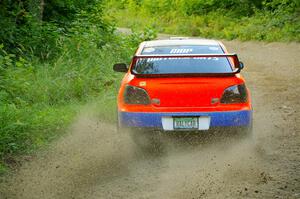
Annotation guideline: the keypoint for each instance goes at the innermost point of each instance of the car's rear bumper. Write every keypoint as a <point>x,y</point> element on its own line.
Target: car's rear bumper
<point>217,119</point>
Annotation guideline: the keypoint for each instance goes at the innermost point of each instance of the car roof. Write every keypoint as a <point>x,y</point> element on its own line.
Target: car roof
<point>178,41</point>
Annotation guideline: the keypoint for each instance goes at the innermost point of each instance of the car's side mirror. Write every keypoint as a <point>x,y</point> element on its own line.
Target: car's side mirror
<point>120,67</point>
<point>241,65</point>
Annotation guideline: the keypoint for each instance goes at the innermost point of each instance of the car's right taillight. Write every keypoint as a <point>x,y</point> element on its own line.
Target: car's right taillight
<point>235,94</point>
<point>136,95</point>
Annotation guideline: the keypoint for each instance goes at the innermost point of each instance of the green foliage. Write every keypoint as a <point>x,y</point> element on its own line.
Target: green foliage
<point>22,33</point>
<point>53,61</point>
<point>28,127</point>
<point>267,20</point>
<point>138,36</point>
<point>36,27</point>
<point>39,99</point>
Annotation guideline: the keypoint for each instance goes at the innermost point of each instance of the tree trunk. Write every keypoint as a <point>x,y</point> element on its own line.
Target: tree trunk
<point>42,5</point>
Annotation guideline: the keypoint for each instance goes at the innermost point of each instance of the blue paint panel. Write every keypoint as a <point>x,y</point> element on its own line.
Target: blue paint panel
<point>218,119</point>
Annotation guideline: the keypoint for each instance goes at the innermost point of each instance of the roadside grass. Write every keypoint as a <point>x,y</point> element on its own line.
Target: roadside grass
<point>39,100</point>
<point>261,26</point>
<point>25,129</point>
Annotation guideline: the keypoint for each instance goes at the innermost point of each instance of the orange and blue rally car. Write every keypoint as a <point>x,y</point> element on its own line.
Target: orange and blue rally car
<point>182,84</point>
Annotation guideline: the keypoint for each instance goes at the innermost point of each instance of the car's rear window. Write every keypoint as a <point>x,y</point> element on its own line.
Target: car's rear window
<point>177,65</point>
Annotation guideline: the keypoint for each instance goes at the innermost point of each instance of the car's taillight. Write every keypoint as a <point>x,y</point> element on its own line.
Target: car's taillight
<point>235,94</point>
<point>135,95</point>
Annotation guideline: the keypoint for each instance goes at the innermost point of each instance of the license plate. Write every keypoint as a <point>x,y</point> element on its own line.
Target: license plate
<point>185,123</point>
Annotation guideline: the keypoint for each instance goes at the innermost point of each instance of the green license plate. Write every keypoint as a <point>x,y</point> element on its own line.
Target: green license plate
<point>185,123</point>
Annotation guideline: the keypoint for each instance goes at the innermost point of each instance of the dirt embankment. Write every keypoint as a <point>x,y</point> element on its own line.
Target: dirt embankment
<point>94,161</point>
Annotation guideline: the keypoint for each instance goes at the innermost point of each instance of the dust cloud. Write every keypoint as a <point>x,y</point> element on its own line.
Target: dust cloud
<point>93,153</point>
<point>96,161</point>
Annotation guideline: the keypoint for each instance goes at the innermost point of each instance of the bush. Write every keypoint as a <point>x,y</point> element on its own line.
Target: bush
<point>39,99</point>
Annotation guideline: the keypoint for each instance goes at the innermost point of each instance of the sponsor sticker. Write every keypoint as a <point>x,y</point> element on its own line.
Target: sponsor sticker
<point>181,51</point>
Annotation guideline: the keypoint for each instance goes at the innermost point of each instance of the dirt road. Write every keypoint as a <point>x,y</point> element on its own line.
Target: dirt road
<point>94,161</point>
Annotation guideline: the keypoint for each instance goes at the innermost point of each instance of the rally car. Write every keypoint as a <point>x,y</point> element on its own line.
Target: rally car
<point>182,84</point>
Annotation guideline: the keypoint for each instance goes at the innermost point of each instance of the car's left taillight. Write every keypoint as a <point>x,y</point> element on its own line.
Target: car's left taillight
<point>235,94</point>
<point>136,95</point>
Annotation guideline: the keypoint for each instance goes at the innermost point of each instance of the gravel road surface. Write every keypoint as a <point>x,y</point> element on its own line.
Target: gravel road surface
<point>94,161</point>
